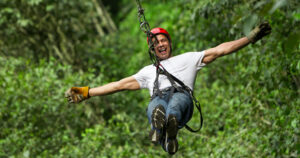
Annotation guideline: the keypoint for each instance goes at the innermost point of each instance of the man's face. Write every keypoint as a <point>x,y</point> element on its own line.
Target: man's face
<point>162,47</point>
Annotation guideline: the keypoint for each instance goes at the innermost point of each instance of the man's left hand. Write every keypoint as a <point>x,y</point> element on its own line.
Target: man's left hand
<point>259,32</point>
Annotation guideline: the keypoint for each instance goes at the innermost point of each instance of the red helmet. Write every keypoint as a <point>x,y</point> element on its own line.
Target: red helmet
<point>158,30</point>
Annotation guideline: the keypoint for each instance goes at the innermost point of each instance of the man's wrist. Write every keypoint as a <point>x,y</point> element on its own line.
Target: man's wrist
<point>85,93</point>
<point>252,35</point>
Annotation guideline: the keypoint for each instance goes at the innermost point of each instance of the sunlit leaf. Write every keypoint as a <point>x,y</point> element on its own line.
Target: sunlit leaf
<point>249,24</point>
<point>34,2</point>
<point>50,7</point>
<point>7,10</point>
<point>297,16</point>
<point>278,4</point>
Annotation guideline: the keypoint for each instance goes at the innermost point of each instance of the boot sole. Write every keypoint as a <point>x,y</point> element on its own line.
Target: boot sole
<point>171,133</point>
<point>172,127</point>
<point>158,121</point>
<point>158,117</point>
<point>172,146</point>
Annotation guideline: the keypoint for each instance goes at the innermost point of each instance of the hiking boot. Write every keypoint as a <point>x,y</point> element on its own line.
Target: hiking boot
<point>158,122</point>
<point>171,144</point>
<point>155,136</point>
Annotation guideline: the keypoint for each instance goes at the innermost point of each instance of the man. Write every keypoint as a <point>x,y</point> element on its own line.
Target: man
<point>169,110</point>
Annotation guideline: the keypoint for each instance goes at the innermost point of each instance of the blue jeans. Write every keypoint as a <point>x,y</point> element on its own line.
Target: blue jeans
<point>180,105</point>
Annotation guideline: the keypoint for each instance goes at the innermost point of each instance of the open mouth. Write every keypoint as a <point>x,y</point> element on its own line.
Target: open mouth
<point>162,50</point>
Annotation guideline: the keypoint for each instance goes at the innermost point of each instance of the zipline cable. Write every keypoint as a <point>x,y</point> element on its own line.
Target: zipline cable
<point>145,27</point>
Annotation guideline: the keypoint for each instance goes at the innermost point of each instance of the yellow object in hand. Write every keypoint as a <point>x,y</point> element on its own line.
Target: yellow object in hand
<point>77,94</point>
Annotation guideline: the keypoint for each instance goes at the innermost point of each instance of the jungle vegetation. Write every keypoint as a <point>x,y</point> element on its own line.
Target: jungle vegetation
<point>250,99</point>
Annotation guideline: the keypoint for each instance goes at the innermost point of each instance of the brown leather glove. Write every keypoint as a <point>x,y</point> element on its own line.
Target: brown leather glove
<point>77,94</point>
<point>259,32</point>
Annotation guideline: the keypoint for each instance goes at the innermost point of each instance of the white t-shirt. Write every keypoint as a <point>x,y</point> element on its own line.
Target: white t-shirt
<point>184,67</point>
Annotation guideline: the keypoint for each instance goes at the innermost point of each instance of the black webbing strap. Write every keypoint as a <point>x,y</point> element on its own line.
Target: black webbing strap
<point>161,70</point>
<point>156,90</point>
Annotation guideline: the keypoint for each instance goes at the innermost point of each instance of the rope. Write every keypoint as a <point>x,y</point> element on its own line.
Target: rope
<point>145,27</point>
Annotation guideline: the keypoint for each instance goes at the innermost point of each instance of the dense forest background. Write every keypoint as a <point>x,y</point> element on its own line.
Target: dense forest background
<point>250,99</point>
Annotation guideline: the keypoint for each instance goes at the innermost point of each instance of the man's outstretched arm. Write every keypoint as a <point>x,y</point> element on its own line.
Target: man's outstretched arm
<point>229,47</point>
<point>78,94</point>
<point>128,83</point>
<point>224,49</point>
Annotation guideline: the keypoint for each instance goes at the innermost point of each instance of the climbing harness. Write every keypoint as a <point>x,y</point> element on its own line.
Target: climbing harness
<point>175,88</point>
<point>145,27</point>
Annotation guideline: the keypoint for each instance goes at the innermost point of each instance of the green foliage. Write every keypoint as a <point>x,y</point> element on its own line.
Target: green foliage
<point>250,99</point>
<point>43,28</point>
<point>34,116</point>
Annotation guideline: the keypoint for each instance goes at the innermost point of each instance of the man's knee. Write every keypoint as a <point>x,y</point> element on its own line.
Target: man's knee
<point>154,103</point>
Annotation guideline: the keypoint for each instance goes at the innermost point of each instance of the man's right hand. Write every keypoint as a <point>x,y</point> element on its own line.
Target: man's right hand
<point>77,94</point>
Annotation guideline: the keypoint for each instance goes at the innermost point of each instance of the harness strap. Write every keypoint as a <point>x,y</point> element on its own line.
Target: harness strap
<point>156,90</point>
<point>161,70</point>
